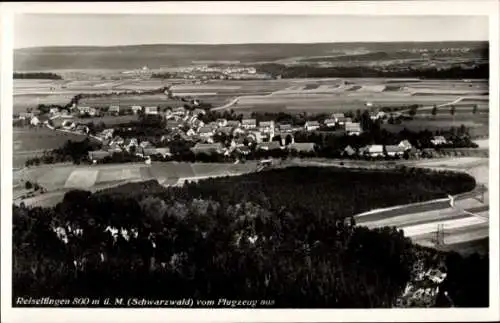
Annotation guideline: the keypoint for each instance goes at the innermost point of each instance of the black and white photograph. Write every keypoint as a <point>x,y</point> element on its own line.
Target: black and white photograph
<point>321,158</point>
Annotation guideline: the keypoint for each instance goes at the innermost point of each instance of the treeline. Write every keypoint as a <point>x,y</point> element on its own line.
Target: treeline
<point>37,75</point>
<point>72,151</point>
<point>306,71</point>
<point>256,236</point>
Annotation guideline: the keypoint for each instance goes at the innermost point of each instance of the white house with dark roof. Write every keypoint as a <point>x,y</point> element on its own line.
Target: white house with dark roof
<point>438,140</point>
<point>249,123</point>
<point>285,127</point>
<point>373,151</point>
<point>114,109</point>
<point>311,125</point>
<point>394,150</point>
<point>268,146</point>
<point>151,110</point>
<point>353,128</point>
<point>330,123</point>
<point>233,123</point>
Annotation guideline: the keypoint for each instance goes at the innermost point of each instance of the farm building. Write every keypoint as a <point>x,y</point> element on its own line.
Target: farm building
<point>197,112</point>
<point>343,121</point>
<point>438,140</point>
<point>53,111</point>
<point>255,136</point>
<point>233,123</point>
<point>405,144</point>
<point>117,140</point>
<point>349,151</point>
<point>311,125</point>
<point>221,122</point>
<point>273,145</point>
<point>266,126</point>
<point>98,155</point>
<point>337,116</point>
<point>243,150</point>
<point>377,115</point>
<point>173,124</point>
<point>306,147</point>
<point>114,109</point>
<point>151,110</point>
<point>285,128</point>
<point>249,123</point>
<point>353,128</point>
<point>329,122</point>
<point>180,111</point>
<point>87,110</point>
<point>225,130</point>
<point>373,151</point>
<point>136,108</point>
<point>206,132</point>
<point>394,150</point>
<point>215,148</point>
<point>35,121</point>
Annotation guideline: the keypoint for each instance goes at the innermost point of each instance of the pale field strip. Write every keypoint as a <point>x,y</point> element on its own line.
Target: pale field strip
<point>195,93</point>
<point>414,230</point>
<point>124,174</point>
<point>82,178</point>
<point>190,87</point>
<point>454,236</point>
<point>427,216</point>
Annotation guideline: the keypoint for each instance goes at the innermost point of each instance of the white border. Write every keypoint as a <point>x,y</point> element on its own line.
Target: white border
<point>487,7</point>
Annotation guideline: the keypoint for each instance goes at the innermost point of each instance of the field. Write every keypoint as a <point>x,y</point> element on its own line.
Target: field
<point>465,224</point>
<point>60,179</point>
<point>30,93</point>
<point>29,142</point>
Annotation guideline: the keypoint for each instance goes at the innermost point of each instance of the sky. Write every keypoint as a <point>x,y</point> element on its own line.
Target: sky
<point>34,30</point>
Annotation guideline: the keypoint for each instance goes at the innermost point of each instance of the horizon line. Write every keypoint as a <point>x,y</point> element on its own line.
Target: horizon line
<point>269,43</point>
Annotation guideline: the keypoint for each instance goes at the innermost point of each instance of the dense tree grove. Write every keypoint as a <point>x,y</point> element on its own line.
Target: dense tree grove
<point>304,71</point>
<point>37,75</point>
<point>280,235</point>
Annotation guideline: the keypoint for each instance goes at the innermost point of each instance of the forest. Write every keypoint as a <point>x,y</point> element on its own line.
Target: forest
<point>286,235</point>
<point>305,71</point>
<point>37,76</point>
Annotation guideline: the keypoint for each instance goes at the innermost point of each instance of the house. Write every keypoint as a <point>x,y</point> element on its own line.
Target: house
<point>353,128</point>
<point>305,147</point>
<point>329,123</point>
<point>107,133</point>
<point>190,132</point>
<point>349,151</point>
<point>243,150</point>
<point>273,145</point>
<point>82,129</point>
<point>173,124</point>
<point>285,128</point>
<point>344,120</point>
<point>117,140</point>
<point>255,136</point>
<point>26,115</point>
<point>337,117</point>
<point>311,125</point>
<point>35,121</point>
<point>438,140</point>
<point>233,123</point>
<point>98,155</point>
<point>225,130</point>
<point>249,123</point>
<point>206,132</point>
<point>198,112</point>
<point>394,150</point>
<point>53,111</point>
<point>266,126</point>
<point>114,109</point>
<point>405,144</point>
<point>377,115</point>
<point>373,151</point>
<point>164,151</point>
<point>151,110</point>
<point>87,110</point>
<point>136,108</point>
<point>201,148</point>
<point>146,144</point>
<point>221,122</point>
<point>180,111</point>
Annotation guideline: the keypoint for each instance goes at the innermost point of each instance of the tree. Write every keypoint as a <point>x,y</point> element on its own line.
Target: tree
<point>413,110</point>
<point>28,185</point>
<point>434,110</point>
<point>452,110</point>
<point>474,109</point>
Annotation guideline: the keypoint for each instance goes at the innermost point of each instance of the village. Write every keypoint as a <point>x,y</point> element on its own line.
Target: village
<point>221,137</point>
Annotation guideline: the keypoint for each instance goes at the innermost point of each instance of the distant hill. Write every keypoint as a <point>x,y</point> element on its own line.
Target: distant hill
<point>156,56</point>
